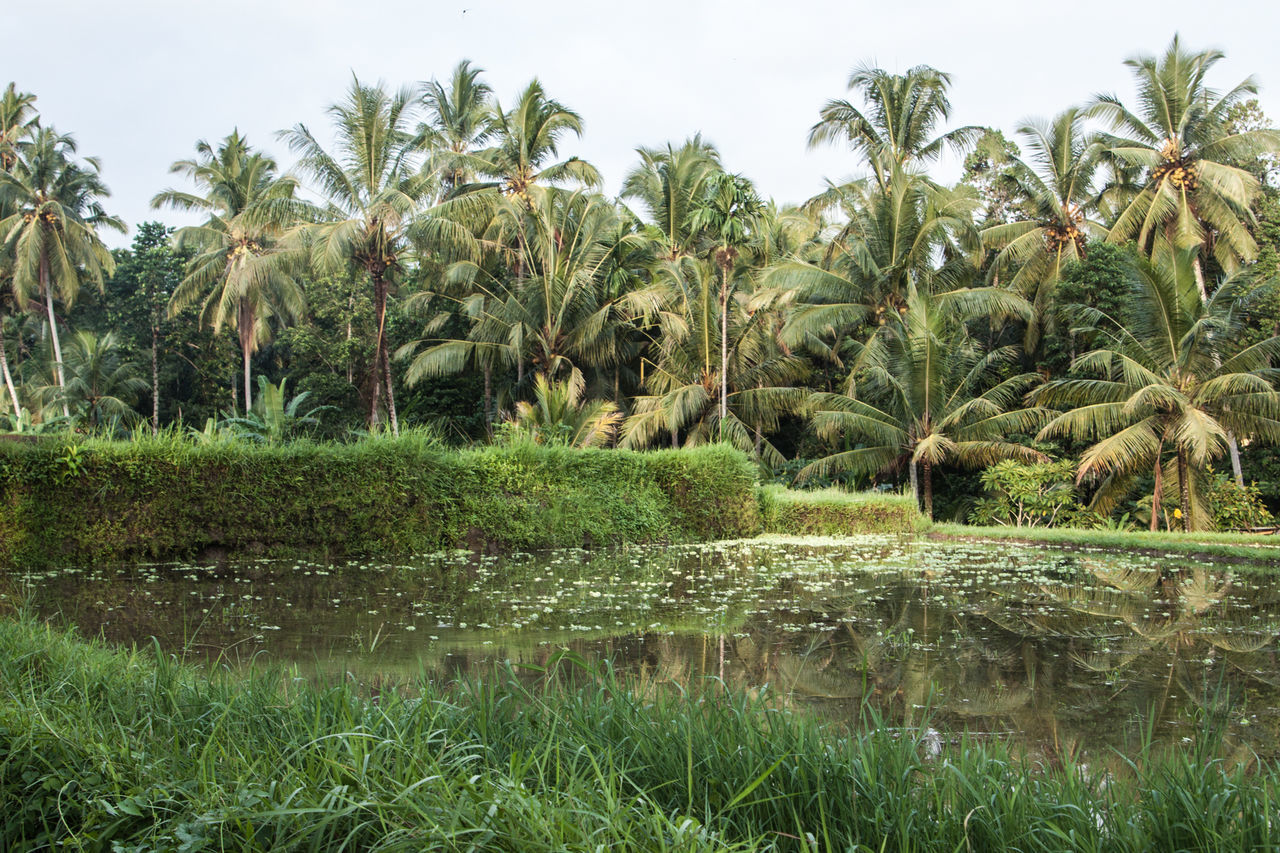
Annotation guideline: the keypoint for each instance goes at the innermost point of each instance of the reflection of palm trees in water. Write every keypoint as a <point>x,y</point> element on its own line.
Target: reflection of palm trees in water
<point>1052,659</point>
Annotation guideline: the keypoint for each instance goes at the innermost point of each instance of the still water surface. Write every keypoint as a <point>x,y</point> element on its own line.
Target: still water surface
<point>1063,651</point>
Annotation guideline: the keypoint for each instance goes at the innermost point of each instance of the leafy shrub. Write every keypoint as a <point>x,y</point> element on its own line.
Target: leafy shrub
<point>1233,507</point>
<point>1038,494</point>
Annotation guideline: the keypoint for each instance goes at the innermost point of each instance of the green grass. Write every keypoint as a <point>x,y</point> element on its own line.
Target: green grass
<point>832,511</point>
<point>1238,546</point>
<point>129,751</point>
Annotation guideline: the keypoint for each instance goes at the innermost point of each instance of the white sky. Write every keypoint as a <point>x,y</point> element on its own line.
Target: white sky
<point>139,81</point>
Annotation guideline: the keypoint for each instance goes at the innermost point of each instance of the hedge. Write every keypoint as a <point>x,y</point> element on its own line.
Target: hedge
<point>831,512</point>
<point>79,502</point>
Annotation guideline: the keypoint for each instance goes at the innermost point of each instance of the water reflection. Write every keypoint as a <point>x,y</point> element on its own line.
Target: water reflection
<point>1069,651</point>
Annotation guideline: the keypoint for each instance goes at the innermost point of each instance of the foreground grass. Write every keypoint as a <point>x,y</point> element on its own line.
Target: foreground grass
<point>109,750</point>
<point>1240,546</point>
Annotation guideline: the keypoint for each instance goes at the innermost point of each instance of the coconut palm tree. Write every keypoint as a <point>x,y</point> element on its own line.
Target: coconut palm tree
<point>557,311</point>
<point>739,400</point>
<point>896,128</point>
<point>526,138</point>
<point>924,393</point>
<point>100,386</point>
<point>1055,183</point>
<point>1179,136</point>
<point>49,231</point>
<point>240,269</point>
<point>373,191</point>
<point>669,183</point>
<point>1172,379</point>
<point>18,120</point>
<point>458,124</point>
<point>911,234</point>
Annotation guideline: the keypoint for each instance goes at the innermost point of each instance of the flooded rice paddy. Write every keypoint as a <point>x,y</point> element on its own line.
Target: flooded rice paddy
<point>1064,651</point>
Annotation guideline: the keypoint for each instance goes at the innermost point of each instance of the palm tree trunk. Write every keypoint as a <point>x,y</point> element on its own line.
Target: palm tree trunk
<point>245,328</point>
<point>380,308</point>
<point>391,395</point>
<point>53,333</point>
<point>1184,489</point>
<point>488,398</point>
<point>8,377</point>
<point>724,346</point>
<point>928,490</point>
<point>915,481</point>
<point>1234,449</point>
<point>155,378</point>
<point>1157,494</point>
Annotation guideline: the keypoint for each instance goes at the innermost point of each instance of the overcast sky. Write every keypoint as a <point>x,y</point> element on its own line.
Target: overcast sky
<point>139,82</point>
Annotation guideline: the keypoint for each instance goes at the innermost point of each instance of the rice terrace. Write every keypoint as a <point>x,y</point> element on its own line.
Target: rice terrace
<point>402,479</point>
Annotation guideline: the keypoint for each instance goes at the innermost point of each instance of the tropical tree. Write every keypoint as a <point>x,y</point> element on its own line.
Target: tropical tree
<point>1057,189</point>
<point>525,138</point>
<point>911,234</point>
<point>1171,379</point>
<point>100,385</point>
<point>241,269</point>
<point>670,183</point>
<point>727,216</point>
<point>899,124</point>
<point>459,122</point>
<point>757,377</point>
<point>559,416</point>
<point>18,120</point>
<point>923,393</point>
<point>1180,137</point>
<point>556,311</point>
<point>49,233</point>
<point>373,192</point>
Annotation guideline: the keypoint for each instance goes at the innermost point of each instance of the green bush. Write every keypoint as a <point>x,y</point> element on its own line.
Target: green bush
<point>67,502</point>
<point>1027,494</point>
<point>833,512</point>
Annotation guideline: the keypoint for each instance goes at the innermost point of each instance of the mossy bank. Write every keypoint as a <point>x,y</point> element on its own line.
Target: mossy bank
<point>84,502</point>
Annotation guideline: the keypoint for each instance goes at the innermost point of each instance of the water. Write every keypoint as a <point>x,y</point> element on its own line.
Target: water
<point>1063,651</point>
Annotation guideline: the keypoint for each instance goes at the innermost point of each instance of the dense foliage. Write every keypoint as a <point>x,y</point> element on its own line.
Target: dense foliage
<point>71,502</point>
<point>460,269</point>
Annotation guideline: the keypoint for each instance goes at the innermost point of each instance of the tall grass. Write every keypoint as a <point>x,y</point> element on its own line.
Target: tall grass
<point>110,750</point>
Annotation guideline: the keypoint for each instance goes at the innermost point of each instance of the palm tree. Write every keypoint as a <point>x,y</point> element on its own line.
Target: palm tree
<point>100,385</point>
<point>373,191</point>
<point>557,311</point>
<point>240,269</point>
<point>526,138</point>
<point>923,393</point>
<point>1057,189</point>
<point>1171,378</point>
<point>458,123</point>
<point>1188,193</point>
<point>558,415</point>
<point>897,126</point>
<point>670,182</point>
<point>49,232</point>
<point>726,214</point>
<point>911,234</point>
<point>757,377</point>
<point>18,120</point>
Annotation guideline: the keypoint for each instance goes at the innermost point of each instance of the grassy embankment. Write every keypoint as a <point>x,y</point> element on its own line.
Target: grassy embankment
<point>104,749</point>
<point>1245,547</point>
<point>95,501</point>
<point>829,512</point>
